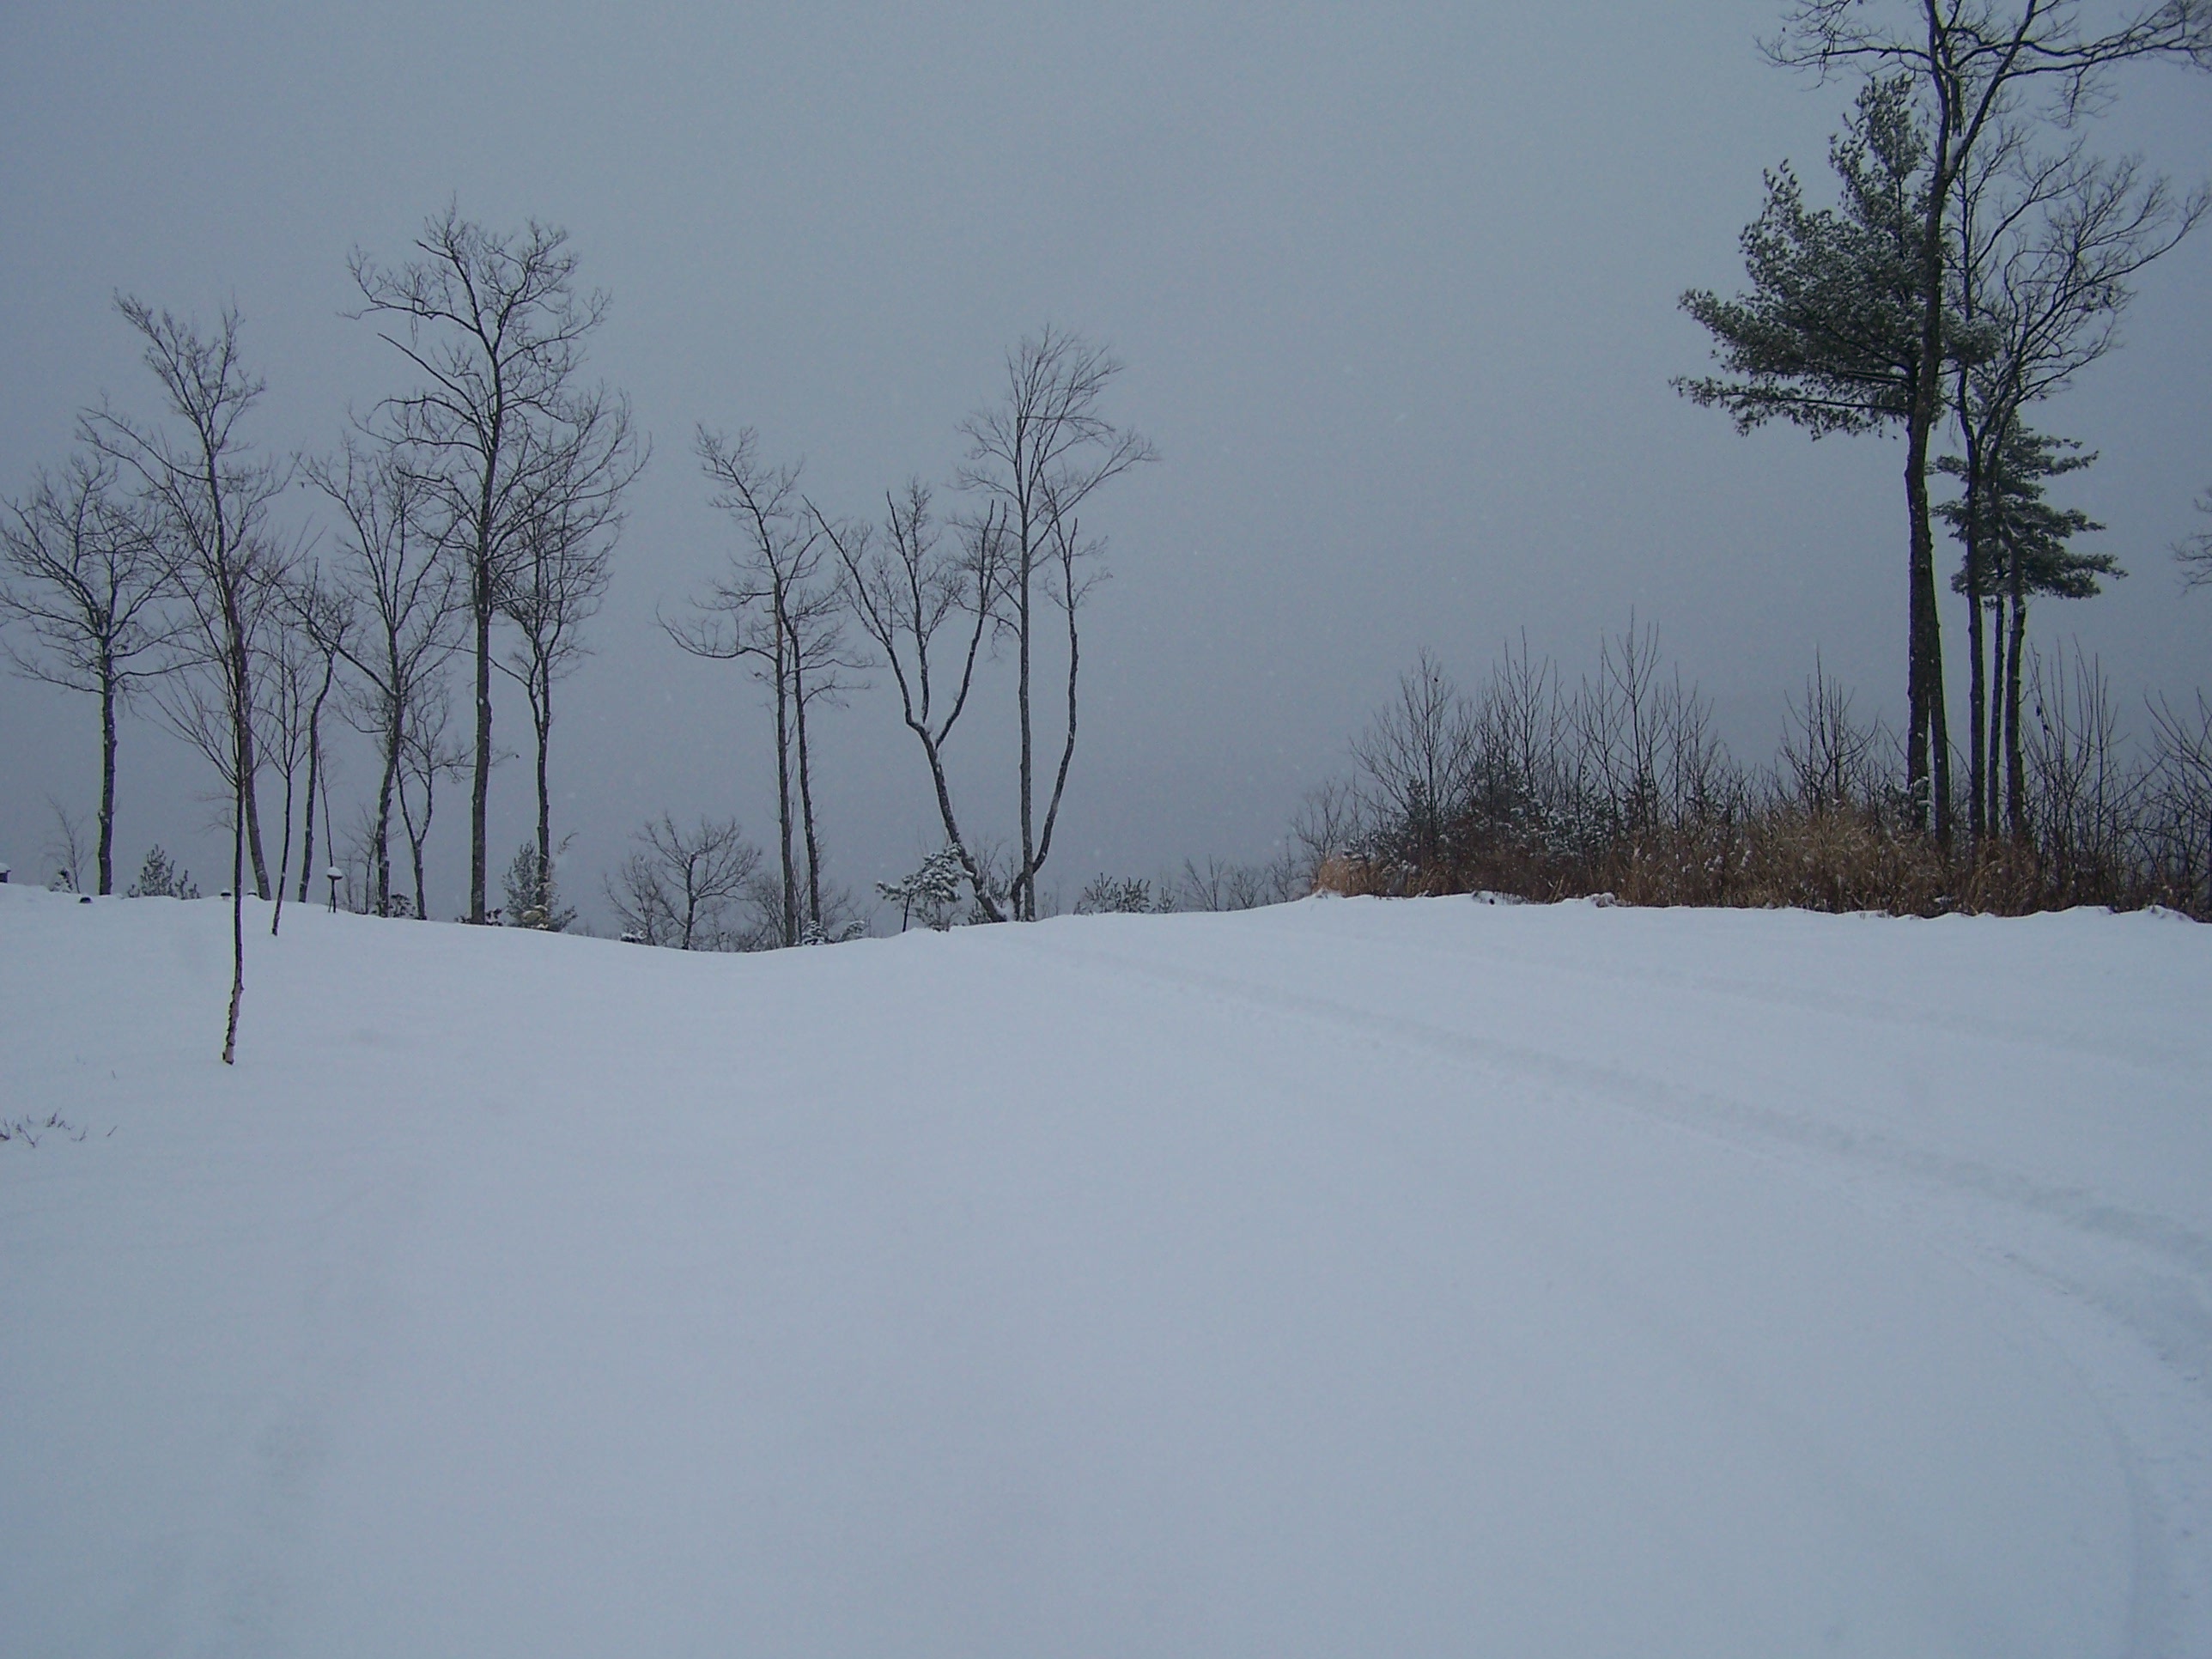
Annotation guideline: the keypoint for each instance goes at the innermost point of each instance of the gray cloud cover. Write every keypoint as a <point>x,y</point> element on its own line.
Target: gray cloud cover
<point>1395,286</point>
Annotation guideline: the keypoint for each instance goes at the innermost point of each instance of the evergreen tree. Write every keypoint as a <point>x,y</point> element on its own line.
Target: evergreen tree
<point>1831,338</point>
<point>534,896</point>
<point>2022,546</point>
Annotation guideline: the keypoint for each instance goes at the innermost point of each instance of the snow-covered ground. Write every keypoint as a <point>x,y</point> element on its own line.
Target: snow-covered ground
<point>1348,1277</point>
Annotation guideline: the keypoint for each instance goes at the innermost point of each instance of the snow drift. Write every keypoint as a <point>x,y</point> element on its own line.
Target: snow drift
<point>1352,1277</point>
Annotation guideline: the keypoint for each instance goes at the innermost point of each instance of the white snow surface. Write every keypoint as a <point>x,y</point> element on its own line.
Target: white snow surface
<point>1422,1278</point>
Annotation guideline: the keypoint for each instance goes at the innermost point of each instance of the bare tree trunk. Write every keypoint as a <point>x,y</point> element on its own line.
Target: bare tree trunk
<point>238,797</point>
<point>1024,894</point>
<point>382,845</point>
<point>984,901</point>
<point>783,783</point>
<point>249,763</point>
<point>1067,749</point>
<point>106,775</point>
<point>806,794</point>
<point>329,837</point>
<point>416,836</point>
<point>1994,784</point>
<point>1977,820</point>
<point>1938,713</point>
<point>1927,775</point>
<point>284,858</point>
<point>480,789</point>
<point>314,773</point>
<point>541,718</point>
<point>2015,753</point>
<point>1976,735</point>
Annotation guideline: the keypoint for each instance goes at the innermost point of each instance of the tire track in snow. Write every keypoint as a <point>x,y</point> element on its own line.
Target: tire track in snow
<point>2147,1278</point>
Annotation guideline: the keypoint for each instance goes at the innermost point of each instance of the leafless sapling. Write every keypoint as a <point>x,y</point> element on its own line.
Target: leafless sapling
<point>208,500</point>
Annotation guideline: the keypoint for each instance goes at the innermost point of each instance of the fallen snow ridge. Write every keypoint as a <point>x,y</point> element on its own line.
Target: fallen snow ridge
<point>1350,1278</point>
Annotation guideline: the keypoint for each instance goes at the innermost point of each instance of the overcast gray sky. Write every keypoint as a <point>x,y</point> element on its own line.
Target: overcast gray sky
<point>1395,286</point>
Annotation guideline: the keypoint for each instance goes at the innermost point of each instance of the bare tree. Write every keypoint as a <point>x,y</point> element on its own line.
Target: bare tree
<point>1972,64</point>
<point>2046,248</point>
<point>317,619</point>
<point>679,888</point>
<point>391,571</point>
<point>208,501</point>
<point>1220,886</point>
<point>426,753</point>
<point>65,849</point>
<point>325,613</point>
<point>1418,755</point>
<point>289,690</point>
<point>777,608</point>
<point>2180,789</point>
<point>924,603</point>
<point>493,323</point>
<point>1830,763</point>
<point>557,582</point>
<point>85,578</point>
<point>1034,457</point>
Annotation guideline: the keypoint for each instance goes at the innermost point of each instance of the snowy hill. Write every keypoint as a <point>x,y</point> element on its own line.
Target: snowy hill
<point>1349,1278</point>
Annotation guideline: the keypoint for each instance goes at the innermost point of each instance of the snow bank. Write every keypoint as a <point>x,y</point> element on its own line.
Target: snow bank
<point>1419,1278</point>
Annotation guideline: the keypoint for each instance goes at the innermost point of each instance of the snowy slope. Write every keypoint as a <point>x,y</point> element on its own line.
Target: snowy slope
<point>1349,1278</point>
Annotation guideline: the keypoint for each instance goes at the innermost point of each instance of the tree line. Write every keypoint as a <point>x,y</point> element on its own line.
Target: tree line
<point>473,516</point>
<point>1977,258</point>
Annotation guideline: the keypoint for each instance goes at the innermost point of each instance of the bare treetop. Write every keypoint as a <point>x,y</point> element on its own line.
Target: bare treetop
<point>1970,51</point>
<point>493,319</point>
<point>1045,444</point>
<point>83,576</point>
<point>494,325</point>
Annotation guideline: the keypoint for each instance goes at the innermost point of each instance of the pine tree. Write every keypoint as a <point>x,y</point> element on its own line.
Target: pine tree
<point>2024,551</point>
<point>534,896</point>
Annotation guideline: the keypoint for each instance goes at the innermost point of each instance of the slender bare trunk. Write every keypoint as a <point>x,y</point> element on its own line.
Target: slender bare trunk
<point>382,847</point>
<point>284,859</point>
<point>1927,775</point>
<point>1978,821</point>
<point>806,796</point>
<point>314,773</point>
<point>2016,752</point>
<point>984,901</point>
<point>248,761</point>
<point>106,775</point>
<point>1067,750</point>
<point>1994,783</point>
<point>480,787</point>
<point>783,780</point>
<point>541,713</point>
<point>1024,894</point>
<point>238,800</point>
